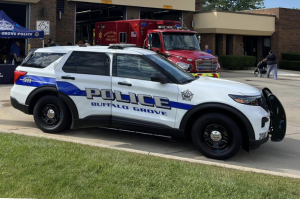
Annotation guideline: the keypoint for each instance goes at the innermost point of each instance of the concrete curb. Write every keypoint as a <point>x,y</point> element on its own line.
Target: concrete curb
<point>204,162</point>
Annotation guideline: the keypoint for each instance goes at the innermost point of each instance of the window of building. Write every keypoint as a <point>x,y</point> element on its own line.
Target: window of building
<point>266,46</point>
<point>134,67</point>
<point>123,37</point>
<point>87,63</point>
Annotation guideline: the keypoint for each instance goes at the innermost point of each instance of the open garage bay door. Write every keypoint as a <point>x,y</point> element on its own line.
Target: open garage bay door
<point>87,14</point>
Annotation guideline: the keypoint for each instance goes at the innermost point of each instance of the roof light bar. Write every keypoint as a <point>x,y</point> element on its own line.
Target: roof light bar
<point>120,46</point>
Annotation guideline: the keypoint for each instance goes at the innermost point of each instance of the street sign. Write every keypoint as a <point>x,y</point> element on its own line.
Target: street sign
<point>43,25</point>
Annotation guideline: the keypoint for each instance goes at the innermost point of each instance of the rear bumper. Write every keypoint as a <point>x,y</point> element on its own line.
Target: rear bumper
<point>255,144</point>
<point>21,107</point>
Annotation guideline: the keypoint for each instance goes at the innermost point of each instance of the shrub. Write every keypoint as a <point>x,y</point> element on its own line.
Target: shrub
<point>290,65</point>
<point>237,62</point>
<point>291,56</point>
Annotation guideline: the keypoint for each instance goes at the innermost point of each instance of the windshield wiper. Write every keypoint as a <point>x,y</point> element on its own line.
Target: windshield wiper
<point>193,48</point>
<point>31,65</point>
<point>188,81</point>
<point>175,49</point>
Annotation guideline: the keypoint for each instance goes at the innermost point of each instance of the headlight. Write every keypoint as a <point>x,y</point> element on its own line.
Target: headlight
<point>248,100</point>
<point>184,66</point>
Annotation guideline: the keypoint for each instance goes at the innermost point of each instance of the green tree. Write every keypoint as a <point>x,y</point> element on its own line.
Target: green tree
<point>233,5</point>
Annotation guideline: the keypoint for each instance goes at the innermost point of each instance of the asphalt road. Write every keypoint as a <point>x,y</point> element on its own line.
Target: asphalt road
<point>281,157</point>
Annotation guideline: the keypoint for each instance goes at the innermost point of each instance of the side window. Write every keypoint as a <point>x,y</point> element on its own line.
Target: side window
<point>155,40</point>
<point>89,63</point>
<point>134,67</point>
<point>123,37</point>
<point>41,60</point>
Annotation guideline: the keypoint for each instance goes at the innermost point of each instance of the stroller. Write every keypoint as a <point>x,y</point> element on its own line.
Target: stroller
<point>261,69</point>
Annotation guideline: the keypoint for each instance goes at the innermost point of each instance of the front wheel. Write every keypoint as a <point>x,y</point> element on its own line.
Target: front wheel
<point>51,115</point>
<point>216,136</point>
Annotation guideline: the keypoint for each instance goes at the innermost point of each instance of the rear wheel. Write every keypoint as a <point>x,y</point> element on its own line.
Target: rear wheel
<point>216,136</point>
<point>51,115</point>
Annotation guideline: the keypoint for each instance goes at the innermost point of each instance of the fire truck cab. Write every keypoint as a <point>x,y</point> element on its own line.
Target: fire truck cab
<point>167,38</point>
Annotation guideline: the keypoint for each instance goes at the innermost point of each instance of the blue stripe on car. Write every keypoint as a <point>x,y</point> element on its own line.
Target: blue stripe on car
<point>72,90</point>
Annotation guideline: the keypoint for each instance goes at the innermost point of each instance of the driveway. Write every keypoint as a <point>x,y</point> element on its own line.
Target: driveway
<point>281,157</point>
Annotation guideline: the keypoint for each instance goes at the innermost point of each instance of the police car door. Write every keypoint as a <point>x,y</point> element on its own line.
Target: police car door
<point>140,101</point>
<point>84,76</point>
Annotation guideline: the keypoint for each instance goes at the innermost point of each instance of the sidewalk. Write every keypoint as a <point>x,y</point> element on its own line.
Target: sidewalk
<point>281,72</point>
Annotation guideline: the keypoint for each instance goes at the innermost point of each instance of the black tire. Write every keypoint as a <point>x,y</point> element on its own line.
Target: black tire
<point>43,115</point>
<point>216,124</point>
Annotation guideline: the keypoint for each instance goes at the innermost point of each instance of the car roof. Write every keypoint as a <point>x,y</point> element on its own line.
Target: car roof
<point>65,49</point>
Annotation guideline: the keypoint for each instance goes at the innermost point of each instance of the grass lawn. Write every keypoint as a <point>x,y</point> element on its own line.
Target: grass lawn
<point>40,168</point>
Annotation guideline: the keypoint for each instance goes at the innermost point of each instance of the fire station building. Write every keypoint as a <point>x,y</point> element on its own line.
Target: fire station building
<point>252,32</point>
<point>74,20</point>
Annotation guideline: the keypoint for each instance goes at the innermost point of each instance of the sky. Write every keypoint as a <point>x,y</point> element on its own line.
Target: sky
<point>282,3</point>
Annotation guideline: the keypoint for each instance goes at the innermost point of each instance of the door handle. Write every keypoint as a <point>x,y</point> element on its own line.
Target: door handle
<point>68,77</point>
<point>124,84</point>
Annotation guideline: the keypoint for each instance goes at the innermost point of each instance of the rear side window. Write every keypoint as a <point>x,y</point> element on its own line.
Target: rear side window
<point>41,60</point>
<point>89,63</point>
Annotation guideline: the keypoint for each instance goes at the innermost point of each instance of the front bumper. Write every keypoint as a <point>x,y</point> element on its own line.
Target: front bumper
<point>255,144</point>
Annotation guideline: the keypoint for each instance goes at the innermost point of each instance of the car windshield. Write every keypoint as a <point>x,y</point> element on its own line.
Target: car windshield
<point>180,75</point>
<point>180,41</point>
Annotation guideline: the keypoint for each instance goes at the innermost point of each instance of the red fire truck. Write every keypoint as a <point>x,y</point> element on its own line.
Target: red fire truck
<point>181,46</point>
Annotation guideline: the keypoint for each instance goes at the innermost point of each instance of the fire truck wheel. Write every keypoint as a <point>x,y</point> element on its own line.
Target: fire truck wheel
<point>216,136</point>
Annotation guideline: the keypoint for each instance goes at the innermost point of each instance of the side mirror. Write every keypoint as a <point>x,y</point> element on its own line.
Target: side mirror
<point>150,41</point>
<point>158,77</point>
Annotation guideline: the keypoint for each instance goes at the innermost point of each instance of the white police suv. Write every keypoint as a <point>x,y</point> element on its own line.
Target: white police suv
<point>135,89</point>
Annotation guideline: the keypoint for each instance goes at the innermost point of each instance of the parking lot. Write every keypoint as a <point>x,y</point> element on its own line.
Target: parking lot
<point>281,157</point>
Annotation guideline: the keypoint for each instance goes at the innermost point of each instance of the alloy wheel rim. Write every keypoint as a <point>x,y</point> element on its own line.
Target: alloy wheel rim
<point>50,115</point>
<point>216,138</point>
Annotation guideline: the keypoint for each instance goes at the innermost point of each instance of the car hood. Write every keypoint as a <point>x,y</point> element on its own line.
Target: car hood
<point>231,87</point>
<point>191,54</point>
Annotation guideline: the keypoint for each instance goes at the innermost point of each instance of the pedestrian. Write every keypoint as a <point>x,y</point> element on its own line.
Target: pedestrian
<point>69,44</point>
<point>80,43</point>
<point>15,52</point>
<point>86,42</point>
<point>272,65</point>
<point>51,42</point>
<point>207,49</point>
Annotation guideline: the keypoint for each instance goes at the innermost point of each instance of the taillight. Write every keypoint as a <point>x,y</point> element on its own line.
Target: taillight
<point>18,74</point>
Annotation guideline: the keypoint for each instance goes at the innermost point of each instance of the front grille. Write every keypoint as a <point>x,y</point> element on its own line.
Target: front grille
<point>206,65</point>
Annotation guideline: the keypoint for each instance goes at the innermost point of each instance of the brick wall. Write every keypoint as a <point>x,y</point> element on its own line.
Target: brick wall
<point>238,45</point>
<point>132,12</point>
<point>222,44</point>
<point>61,31</point>
<point>199,4</point>
<point>259,49</point>
<point>210,40</point>
<point>289,30</point>
<point>187,18</point>
<point>286,37</point>
<point>49,7</point>
<point>65,27</point>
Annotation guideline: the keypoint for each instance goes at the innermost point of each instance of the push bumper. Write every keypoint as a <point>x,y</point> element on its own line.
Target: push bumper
<point>215,75</point>
<point>278,122</point>
<point>278,117</point>
<point>20,107</point>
